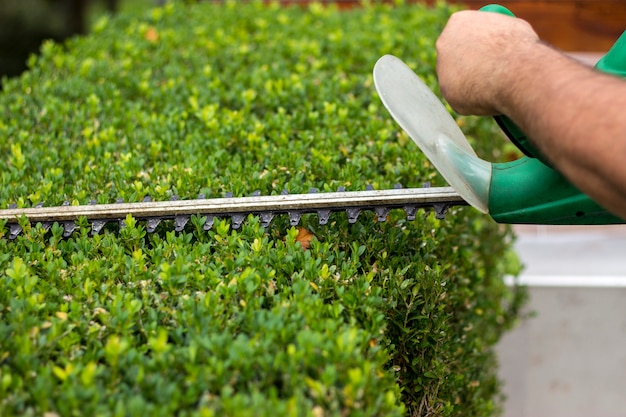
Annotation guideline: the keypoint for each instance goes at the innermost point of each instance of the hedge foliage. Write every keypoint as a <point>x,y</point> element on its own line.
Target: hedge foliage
<point>394,318</point>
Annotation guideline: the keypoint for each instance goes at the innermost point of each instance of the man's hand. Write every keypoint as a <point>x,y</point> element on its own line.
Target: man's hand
<point>477,53</point>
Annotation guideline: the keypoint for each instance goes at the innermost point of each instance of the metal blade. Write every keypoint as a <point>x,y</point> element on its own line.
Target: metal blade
<point>237,208</point>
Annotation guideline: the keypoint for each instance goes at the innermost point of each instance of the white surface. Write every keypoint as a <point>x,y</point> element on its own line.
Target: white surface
<point>569,359</point>
<point>570,281</point>
<point>579,252</point>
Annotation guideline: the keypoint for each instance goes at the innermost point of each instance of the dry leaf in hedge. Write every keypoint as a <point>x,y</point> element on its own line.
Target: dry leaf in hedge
<point>152,35</point>
<point>304,237</point>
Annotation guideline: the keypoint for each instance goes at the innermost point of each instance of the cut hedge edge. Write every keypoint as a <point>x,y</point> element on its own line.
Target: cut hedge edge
<point>395,318</point>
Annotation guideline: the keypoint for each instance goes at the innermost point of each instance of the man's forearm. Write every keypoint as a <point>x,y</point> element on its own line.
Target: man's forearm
<point>574,115</point>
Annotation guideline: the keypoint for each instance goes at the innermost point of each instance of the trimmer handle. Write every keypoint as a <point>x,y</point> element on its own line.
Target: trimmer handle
<point>497,8</point>
<point>614,62</point>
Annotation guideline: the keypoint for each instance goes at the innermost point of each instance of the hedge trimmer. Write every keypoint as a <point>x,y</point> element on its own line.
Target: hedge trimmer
<point>527,190</point>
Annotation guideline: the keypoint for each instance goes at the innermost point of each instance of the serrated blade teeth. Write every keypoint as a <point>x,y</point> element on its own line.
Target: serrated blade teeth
<point>238,209</point>
<point>410,212</point>
<point>440,210</point>
<point>68,228</point>
<point>237,219</point>
<point>266,219</point>
<point>382,213</point>
<point>152,224</point>
<point>294,217</point>
<point>14,230</point>
<point>180,222</point>
<point>208,224</point>
<point>353,214</point>
<point>97,226</point>
<point>324,216</point>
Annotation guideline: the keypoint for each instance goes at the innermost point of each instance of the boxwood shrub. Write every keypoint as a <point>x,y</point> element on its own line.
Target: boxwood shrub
<point>366,319</point>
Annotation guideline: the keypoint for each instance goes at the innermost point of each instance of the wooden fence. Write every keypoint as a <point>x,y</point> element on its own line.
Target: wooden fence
<point>571,25</point>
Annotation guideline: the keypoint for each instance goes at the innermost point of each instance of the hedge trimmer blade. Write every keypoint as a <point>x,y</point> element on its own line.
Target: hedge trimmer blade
<point>238,208</point>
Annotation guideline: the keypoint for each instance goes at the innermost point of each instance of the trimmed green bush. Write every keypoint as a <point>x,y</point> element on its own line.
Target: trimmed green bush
<point>394,318</point>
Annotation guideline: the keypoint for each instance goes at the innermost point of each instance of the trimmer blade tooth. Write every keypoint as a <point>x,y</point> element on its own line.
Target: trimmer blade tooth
<point>208,223</point>
<point>410,212</point>
<point>266,218</point>
<point>147,199</point>
<point>382,213</point>
<point>369,187</point>
<point>440,210</point>
<point>313,190</point>
<point>152,224</point>
<point>294,217</point>
<point>353,214</point>
<point>68,228</point>
<point>180,222</point>
<point>39,205</point>
<point>97,226</point>
<point>14,230</point>
<point>237,220</point>
<point>324,216</point>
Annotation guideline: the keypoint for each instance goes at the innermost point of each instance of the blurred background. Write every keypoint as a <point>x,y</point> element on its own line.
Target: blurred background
<point>25,24</point>
<point>571,25</point>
